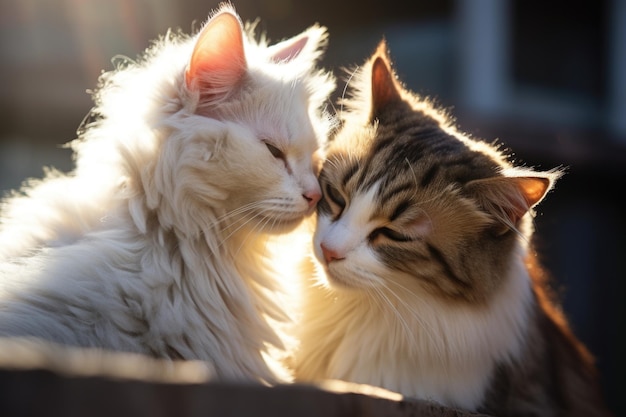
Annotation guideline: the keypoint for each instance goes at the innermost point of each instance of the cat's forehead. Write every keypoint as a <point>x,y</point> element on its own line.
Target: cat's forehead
<point>408,151</point>
<point>278,112</point>
<point>287,119</point>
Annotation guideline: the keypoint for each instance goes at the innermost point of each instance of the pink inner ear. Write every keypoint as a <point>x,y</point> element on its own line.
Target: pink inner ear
<point>384,88</point>
<point>513,196</point>
<point>290,51</point>
<point>533,188</point>
<point>218,59</point>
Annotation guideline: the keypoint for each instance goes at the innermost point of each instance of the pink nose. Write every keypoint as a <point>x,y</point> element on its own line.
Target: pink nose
<point>312,197</point>
<point>330,254</point>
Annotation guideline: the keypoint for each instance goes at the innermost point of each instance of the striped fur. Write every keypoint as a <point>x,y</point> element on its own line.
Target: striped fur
<point>420,282</point>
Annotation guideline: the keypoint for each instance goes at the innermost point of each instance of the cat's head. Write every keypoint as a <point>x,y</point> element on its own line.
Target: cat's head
<point>219,125</point>
<point>410,204</point>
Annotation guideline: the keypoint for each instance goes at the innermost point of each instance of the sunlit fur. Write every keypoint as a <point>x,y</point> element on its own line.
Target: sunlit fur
<point>419,281</point>
<point>156,242</point>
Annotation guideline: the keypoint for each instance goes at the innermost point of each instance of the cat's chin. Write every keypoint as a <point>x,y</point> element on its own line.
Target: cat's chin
<point>338,281</point>
<point>280,223</point>
<point>280,226</point>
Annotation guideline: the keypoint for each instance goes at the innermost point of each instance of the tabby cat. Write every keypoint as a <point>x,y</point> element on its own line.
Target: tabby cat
<point>426,280</point>
<point>156,243</point>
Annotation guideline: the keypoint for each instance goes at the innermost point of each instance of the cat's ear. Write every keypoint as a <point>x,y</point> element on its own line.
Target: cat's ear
<point>385,89</point>
<point>306,43</point>
<point>218,60</point>
<point>509,198</point>
<point>287,50</point>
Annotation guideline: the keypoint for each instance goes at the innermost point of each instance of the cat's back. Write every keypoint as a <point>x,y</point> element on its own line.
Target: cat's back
<point>555,374</point>
<point>57,210</point>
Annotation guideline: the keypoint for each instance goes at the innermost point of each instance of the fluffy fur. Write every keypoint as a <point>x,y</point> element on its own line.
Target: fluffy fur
<point>422,281</point>
<point>157,242</point>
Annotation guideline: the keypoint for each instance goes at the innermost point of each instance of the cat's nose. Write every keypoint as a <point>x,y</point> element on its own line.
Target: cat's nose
<point>330,254</point>
<point>312,197</point>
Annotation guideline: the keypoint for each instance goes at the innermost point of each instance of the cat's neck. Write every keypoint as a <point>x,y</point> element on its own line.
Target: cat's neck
<point>237,262</point>
<point>451,346</point>
<point>228,281</point>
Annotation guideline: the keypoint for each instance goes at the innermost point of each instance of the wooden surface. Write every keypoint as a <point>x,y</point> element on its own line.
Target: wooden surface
<point>46,380</point>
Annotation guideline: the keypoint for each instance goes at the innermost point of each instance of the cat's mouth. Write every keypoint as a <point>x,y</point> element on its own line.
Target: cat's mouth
<point>343,274</point>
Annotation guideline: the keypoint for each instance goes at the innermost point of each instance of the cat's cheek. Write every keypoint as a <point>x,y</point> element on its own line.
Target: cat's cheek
<point>352,269</point>
<point>359,271</point>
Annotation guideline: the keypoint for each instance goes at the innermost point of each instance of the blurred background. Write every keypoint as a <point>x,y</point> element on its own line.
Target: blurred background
<point>546,79</point>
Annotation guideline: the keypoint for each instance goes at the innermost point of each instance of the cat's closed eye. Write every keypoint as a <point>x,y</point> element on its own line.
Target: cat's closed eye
<point>389,234</point>
<point>276,153</point>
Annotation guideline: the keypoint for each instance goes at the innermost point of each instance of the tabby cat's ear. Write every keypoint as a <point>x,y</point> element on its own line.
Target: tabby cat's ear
<point>385,90</point>
<point>508,199</point>
<point>218,60</point>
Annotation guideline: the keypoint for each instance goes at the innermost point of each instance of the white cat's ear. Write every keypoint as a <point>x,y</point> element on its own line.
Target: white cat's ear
<point>385,89</point>
<point>306,43</point>
<point>509,198</point>
<point>288,50</point>
<point>218,60</point>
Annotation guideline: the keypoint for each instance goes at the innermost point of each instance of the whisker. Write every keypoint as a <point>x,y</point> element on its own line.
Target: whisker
<point>257,227</point>
<point>398,314</point>
<point>239,210</point>
<point>245,220</point>
<point>430,331</point>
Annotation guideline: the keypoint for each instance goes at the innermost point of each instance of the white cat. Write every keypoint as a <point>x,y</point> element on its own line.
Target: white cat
<point>156,242</point>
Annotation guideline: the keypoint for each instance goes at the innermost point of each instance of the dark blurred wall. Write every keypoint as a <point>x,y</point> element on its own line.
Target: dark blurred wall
<point>544,78</point>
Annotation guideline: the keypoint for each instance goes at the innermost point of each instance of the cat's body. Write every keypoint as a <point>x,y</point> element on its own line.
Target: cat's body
<point>157,242</point>
<point>423,283</point>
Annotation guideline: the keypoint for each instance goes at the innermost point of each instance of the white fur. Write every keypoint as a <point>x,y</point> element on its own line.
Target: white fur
<point>363,323</point>
<point>157,242</point>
